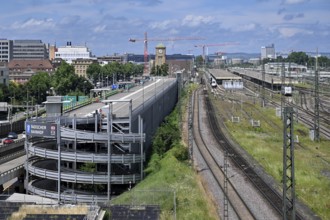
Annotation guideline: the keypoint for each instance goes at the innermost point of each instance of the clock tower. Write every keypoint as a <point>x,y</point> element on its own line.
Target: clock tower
<point>160,58</point>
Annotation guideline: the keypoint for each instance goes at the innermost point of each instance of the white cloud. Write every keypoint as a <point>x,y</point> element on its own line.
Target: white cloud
<point>292,2</point>
<point>246,27</point>
<point>35,23</point>
<point>287,32</point>
<point>163,25</point>
<point>194,21</point>
<point>99,28</point>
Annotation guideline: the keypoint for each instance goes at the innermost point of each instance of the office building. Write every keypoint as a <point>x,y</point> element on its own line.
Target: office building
<point>69,53</point>
<point>268,52</point>
<point>4,73</point>
<point>29,50</point>
<point>6,50</point>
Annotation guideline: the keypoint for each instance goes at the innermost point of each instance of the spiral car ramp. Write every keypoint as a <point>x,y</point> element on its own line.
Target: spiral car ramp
<point>92,157</point>
<point>85,157</point>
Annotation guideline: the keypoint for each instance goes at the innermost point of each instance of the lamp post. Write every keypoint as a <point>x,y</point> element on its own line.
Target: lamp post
<point>10,113</point>
<point>85,87</point>
<point>52,91</point>
<point>27,108</point>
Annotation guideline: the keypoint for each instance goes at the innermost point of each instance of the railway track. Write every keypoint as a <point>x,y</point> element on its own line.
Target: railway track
<point>239,207</point>
<point>273,197</point>
<point>305,114</point>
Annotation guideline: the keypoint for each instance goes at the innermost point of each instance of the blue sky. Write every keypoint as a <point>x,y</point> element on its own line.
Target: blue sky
<point>106,25</point>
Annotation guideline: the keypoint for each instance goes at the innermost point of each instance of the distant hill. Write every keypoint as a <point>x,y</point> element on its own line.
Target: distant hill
<point>244,56</point>
<point>247,56</point>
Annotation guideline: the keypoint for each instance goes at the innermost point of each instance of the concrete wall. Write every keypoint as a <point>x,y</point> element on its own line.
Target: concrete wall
<point>154,112</point>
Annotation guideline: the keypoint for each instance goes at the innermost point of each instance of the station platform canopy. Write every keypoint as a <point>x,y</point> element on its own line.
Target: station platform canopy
<point>221,75</point>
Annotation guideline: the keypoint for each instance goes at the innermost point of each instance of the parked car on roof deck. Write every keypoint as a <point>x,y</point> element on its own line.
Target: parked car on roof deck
<point>12,135</point>
<point>8,141</point>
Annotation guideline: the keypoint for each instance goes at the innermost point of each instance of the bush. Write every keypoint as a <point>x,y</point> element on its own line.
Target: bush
<point>180,152</point>
<point>167,134</point>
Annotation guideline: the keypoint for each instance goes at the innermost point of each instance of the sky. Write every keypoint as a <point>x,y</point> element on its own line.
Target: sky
<point>105,26</point>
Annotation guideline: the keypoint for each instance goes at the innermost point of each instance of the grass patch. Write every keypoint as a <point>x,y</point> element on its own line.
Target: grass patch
<point>169,175</point>
<point>312,164</point>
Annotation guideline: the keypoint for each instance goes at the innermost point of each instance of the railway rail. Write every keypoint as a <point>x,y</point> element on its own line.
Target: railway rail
<point>273,197</point>
<point>306,115</point>
<point>240,208</point>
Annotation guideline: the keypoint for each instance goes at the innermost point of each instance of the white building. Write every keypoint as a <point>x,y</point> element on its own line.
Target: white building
<point>69,53</point>
<point>268,52</point>
<point>236,61</point>
<point>293,69</point>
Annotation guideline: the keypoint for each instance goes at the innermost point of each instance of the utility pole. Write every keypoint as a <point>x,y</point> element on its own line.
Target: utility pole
<point>263,85</point>
<point>225,165</point>
<point>282,88</point>
<point>289,208</point>
<point>316,101</point>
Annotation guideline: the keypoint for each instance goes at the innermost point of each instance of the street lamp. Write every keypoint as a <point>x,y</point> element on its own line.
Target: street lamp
<point>10,112</point>
<point>85,87</point>
<point>27,108</point>
<point>52,91</point>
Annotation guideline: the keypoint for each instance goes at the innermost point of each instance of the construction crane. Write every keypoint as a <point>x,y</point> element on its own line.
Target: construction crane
<point>145,41</point>
<point>214,45</point>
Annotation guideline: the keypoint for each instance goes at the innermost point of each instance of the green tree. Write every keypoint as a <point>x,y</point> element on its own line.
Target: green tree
<point>298,57</point>
<point>324,62</point>
<point>167,134</point>
<point>199,61</point>
<point>2,97</point>
<point>164,69</point>
<point>65,81</point>
<point>93,71</point>
<point>38,86</point>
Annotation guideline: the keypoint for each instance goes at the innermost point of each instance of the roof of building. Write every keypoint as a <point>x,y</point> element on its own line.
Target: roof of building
<point>223,74</point>
<point>33,64</point>
<point>160,45</point>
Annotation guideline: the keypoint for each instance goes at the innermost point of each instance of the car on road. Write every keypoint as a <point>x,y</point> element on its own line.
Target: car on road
<point>8,141</point>
<point>12,135</point>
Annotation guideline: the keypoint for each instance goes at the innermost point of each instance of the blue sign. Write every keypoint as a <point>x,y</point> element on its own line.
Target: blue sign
<point>39,129</point>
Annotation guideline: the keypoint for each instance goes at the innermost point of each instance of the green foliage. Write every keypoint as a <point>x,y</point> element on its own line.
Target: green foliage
<point>160,70</point>
<point>113,71</point>
<point>88,167</point>
<point>93,71</point>
<point>158,188</point>
<point>303,59</point>
<point>180,152</point>
<point>298,57</point>
<point>3,92</point>
<point>66,82</point>
<point>38,86</point>
<point>199,61</point>
<point>153,165</point>
<point>167,134</point>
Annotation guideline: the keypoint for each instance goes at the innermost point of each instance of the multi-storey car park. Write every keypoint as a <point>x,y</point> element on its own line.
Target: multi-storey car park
<point>94,157</point>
